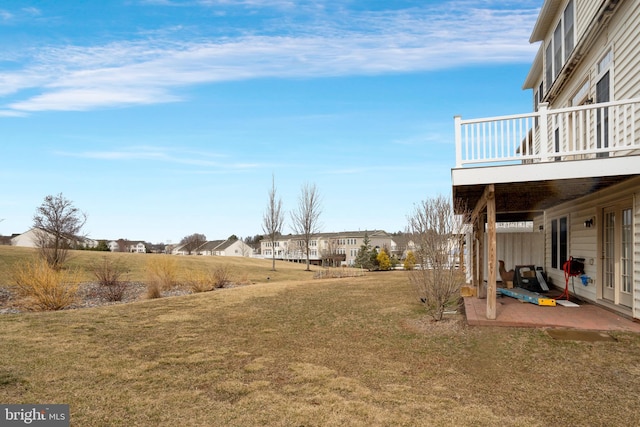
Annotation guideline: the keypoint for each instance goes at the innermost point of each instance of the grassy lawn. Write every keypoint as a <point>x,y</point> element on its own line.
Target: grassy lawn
<point>294,351</point>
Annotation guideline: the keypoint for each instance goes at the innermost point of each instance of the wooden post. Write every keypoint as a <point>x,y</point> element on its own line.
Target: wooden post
<point>491,231</point>
<point>482,291</point>
<point>474,258</point>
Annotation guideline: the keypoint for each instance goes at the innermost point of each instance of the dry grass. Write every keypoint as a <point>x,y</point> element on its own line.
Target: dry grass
<point>42,287</point>
<point>244,270</point>
<point>354,351</point>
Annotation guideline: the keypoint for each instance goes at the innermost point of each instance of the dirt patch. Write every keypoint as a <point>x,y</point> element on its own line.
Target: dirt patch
<point>450,324</point>
<point>575,335</point>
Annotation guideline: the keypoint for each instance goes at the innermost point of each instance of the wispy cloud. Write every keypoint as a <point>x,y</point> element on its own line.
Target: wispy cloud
<point>341,43</point>
<point>164,155</point>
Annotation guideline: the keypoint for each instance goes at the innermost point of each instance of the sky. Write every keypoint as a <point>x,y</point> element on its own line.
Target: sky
<point>164,118</point>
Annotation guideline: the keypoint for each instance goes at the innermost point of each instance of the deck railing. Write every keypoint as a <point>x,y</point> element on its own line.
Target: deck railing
<point>574,133</point>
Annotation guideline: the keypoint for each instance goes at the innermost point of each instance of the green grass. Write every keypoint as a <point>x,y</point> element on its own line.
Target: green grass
<point>296,351</point>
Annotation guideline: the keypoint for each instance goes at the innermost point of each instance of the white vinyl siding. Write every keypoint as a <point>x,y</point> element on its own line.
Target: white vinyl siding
<point>583,241</point>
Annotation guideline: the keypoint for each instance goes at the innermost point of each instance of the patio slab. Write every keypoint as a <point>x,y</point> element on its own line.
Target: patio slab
<point>513,312</point>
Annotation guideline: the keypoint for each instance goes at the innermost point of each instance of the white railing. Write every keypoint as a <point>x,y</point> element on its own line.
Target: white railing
<point>588,131</point>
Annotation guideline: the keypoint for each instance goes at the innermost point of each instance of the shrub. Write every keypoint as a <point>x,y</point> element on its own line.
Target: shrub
<point>438,290</point>
<point>43,287</point>
<point>221,276</point>
<point>204,281</point>
<point>108,275</point>
<point>200,281</point>
<point>162,274</point>
<point>436,226</point>
<point>383,260</point>
<point>410,261</point>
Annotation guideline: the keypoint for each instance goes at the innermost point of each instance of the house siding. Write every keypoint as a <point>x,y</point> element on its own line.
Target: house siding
<point>624,36</point>
<point>620,35</point>
<point>583,242</point>
<point>517,249</point>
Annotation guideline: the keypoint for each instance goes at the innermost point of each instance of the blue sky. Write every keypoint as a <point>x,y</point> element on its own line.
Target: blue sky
<point>164,118</point>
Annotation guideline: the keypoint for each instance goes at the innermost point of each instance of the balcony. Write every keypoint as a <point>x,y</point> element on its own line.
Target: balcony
<point>591,131</point>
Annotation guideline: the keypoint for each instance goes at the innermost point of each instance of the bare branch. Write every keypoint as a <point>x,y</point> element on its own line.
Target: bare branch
<point>305,219</point>
<point>273,220</point>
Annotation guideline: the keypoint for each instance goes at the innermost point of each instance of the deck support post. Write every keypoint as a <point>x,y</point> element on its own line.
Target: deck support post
<point>491,231</point>
<point>485,212</point>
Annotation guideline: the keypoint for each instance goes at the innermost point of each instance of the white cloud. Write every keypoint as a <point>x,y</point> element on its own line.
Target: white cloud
<point>213,162</point>
<point>143,72</point>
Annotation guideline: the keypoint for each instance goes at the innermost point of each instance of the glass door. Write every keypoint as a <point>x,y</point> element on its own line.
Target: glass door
<point>617,248</point>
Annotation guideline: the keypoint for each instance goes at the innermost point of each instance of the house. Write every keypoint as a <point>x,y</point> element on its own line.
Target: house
<point>123,245</point>
<point>326,248</point>
<point>229,247</point>
<point>28,239</point>
<point>572,166</point>
<point>233,247</point>
<point>32,237</point>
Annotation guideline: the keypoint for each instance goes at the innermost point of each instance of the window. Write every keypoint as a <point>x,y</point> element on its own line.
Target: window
<point>603,94</point>
<point>559,242</point>
<point>567,19</point>
<point>557,50</point>
<point>561,45</point>
<point>549,66</point>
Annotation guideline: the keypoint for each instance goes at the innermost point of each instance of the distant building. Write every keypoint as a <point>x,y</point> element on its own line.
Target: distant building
<point>327,248</point>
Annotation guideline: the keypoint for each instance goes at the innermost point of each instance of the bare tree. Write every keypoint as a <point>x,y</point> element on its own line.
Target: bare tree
<point>192,242</point>
<point>438,235</point>
<point>58,224</point>
<point>273,220</point>
<point>305,219</point>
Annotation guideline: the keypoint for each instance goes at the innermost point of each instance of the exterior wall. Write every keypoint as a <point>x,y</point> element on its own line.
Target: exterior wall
<point>27,239</point>
<point>621,36</point>
<point>346,244</point>
<point>237,248</point>
<point>517,249</point>
<point>583,242</point>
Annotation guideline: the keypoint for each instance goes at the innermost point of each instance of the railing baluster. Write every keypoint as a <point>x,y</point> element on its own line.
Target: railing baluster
<point>533,136</point>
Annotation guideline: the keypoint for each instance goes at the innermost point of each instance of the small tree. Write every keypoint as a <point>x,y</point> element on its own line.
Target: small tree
<point>384,262</point>
<point>366,254</point>
<point>410,261</point>
<point>437,228</point>
<point>192,242</point>
<point>273,220</point>
<point>57,223</point>
<point>305,219</point>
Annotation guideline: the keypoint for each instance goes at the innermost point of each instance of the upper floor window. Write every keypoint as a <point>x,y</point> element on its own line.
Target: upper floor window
<point>561,44</point>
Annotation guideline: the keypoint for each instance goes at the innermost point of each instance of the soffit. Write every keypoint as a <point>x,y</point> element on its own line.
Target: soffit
<point>519,201</point>
<point>546,18</point>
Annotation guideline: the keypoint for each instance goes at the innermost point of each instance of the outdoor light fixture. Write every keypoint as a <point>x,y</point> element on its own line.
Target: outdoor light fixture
<point>589,223</point>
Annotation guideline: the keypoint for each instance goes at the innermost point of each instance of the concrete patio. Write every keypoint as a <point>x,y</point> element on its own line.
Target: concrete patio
<point>513,312</point>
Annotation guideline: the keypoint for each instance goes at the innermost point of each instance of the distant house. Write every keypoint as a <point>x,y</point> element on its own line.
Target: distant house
<point>334,248</point>
<point>209,248</point>
<point>123,245</point>
<point>29,239</point>
<point>572,166</point>
<point>235,247</point>
<point>229,247</point>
